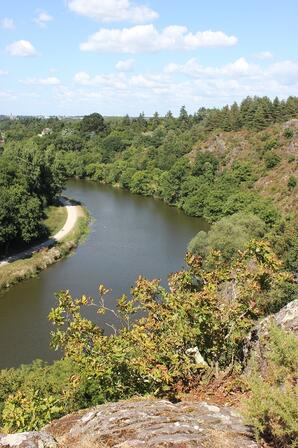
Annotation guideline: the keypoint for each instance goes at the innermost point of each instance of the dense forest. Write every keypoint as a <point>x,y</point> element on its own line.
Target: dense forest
<point>30,180</point>
<point>236,167</point>
<point>210,164</point>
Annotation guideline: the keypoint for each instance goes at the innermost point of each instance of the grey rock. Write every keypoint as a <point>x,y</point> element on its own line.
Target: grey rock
<point>28,440</point>
<point>142,424</point>
<point>293,123</point>
<point>286,318</point>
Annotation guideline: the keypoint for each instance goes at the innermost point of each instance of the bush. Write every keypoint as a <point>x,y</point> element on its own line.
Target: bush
<point>288,133</point>
<point>29,411</point>
<point>271,144</point>
<point>229,235</point>
<point>150,354</point>
<point>271,160</point>
<point>292,182</point>
<point>32,395</point>
<point>272,407</point>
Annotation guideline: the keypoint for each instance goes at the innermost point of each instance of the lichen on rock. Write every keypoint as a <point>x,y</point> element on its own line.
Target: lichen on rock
<point>141,424</point>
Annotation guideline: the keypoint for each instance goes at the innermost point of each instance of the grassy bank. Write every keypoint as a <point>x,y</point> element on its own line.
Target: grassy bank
<point>55,218</point>
<point>19,270</point>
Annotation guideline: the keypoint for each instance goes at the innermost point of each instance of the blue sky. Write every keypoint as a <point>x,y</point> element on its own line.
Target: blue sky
<point>72,57</point>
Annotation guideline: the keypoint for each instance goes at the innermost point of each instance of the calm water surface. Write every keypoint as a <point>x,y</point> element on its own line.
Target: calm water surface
<point>130,235</point>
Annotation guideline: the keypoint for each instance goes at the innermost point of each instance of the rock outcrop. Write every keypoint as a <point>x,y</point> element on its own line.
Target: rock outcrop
<point>141,424</point>
<point>286,318</point>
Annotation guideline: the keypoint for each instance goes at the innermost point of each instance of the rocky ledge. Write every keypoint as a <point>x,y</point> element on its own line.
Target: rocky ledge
<point>141,424</point>
<point>256,343</point>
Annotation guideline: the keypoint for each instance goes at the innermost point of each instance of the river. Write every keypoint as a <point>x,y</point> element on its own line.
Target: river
<point>130,236</point>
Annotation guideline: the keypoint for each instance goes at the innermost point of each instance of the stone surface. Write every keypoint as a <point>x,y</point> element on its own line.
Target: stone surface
<point>286,318</point>
<point>28,440</point>
<point>141,424</point>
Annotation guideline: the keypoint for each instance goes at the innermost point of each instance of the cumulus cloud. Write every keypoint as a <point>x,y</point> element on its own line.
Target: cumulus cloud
<point>22,48</point>
<point>114,80</point>
<point>287,71</point>
<point>50,81</point>
<point>125,65</point>
<point>113,10</point>
<point>264,55</point>
<point>146,38</point>
<point>192,84</point>
<point>240,67</point>
<point>7,23</point>
<point>42,19</point>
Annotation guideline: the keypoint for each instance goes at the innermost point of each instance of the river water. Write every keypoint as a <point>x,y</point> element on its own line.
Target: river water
<point>130,236</point>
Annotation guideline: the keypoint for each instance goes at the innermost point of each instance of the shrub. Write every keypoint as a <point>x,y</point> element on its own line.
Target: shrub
<point>292,182</point>
<point>272,407</point>
<point>150,354</point>
<point>229,235</point>
<point>271,144</point>
<point>271,159</point>
<point>288,133</point>
<point>29,411</point>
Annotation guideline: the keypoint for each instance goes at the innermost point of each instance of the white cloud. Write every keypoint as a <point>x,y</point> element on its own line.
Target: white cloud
<point>264,55</point>
<point>113,80</point>
<point>50,81</point>
<point>238,68</point>
<point>42,19</point>
<point>112,10</point>
<point>285,71</point>
<point>3,72</point>
<point>146,38</point>
<point>125,65</point>
<point>7,23</point>
<point>191,84</point>
<point>21,48</point>
<point>4,95</point>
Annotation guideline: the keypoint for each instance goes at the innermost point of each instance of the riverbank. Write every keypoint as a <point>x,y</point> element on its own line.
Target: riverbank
<point>30,262</point>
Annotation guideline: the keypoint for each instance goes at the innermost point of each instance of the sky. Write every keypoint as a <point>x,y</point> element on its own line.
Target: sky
<point>74,57</point>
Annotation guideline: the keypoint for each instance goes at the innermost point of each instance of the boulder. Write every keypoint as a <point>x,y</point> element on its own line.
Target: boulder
<point>28,440</point>
<point>141,424</point>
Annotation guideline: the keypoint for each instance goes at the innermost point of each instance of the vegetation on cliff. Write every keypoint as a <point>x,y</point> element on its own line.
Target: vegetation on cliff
<point>237,168</point>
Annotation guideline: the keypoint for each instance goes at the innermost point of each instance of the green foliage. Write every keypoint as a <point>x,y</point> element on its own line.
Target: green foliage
<point>284,238</point>
<point>140,183</point>
<point>228,235</point>
<point>231,282</point>
<point>28,412</point>
<point>205,164</point>
<point>156,156</point>
<point>93,123</point>
<point>171,181</point>
<point>292,182</point>
<point>270,144</point>
<point>271,159</point>
<point>30,179</point>
<point>32,395</point>
<point>150,354</point>
<point>272,407</point>
<point>242,172</point>
<point>194,192</point>
<point>288,133</point>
